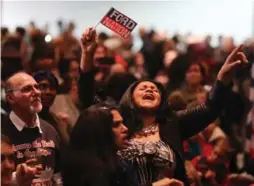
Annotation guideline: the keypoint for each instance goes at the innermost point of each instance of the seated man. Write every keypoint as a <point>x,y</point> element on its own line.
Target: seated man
<point>32,138</point>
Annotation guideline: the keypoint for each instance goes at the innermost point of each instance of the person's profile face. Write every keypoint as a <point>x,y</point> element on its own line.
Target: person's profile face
<point>7,164</point>
<point>146,96</point>
<point>25,94</point>
<point>139,59</point>
<point>120,130</point>
<point>74,70</point>
<point>100,52</point>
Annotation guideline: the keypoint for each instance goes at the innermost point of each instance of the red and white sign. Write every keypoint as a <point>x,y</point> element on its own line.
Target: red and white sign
<point>118,22</point>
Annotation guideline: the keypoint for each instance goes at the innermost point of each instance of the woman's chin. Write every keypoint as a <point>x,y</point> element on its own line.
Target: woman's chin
<point>148,107</point>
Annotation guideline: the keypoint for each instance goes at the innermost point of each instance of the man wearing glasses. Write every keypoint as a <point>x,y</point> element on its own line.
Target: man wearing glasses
<point>33,139</point>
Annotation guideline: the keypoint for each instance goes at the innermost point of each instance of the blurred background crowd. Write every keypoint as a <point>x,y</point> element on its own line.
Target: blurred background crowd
<point>186,65</point>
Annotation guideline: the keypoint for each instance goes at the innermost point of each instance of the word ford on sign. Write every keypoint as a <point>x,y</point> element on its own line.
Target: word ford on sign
<point>118,22</point>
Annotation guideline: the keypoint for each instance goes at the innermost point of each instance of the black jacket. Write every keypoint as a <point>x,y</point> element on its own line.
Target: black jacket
<point>177,126</point>
<point>74,173</point>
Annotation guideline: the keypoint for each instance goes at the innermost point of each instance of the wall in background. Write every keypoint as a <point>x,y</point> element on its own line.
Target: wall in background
<point>201,17</point>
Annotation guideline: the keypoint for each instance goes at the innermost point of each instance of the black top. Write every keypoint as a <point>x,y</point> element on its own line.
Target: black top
<point>75,171</point>
<point>185,124</point>
<point>151,161</point>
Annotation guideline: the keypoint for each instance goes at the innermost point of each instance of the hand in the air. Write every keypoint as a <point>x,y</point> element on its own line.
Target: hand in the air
<point>88,40</point>
<point>25,174</point>
<point>236,59</point>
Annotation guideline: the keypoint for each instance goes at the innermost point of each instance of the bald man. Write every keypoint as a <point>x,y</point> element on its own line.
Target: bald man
<point>23,95</point>
<point>32,138</point>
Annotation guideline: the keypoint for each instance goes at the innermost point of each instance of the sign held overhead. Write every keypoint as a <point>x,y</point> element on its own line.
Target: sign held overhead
<point>118,22</point>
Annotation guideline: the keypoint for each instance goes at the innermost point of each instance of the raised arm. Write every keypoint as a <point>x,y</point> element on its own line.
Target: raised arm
<point>194,120</point>
<point>86,80</point>
<point>88,46</point>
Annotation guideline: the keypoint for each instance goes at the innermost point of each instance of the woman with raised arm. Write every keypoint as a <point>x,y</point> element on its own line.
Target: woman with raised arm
<point>155,131</point>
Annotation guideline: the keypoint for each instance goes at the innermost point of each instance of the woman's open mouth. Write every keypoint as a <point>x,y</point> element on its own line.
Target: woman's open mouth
<point>126,140</point>
<point>149,97</point>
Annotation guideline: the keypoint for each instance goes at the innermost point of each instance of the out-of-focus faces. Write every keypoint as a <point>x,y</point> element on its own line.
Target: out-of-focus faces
<point>162,78</point>
<point>48,93</point>
<point>100,52</point>
<point>193,76</point>
<point>7,164</point>
<point>45,64</point>
<point>117,68</point>
<point>74,70</point>
<point>139,59</point>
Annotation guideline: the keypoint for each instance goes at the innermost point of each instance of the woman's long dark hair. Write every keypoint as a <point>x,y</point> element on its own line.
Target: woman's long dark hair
<point>130,111</point>
<point>91,154</point>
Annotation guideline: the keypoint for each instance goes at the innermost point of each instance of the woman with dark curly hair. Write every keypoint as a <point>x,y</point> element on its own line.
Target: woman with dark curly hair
<point>156,132</point>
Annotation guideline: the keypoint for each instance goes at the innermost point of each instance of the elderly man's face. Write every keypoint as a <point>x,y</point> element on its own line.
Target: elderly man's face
<point>25,94</point>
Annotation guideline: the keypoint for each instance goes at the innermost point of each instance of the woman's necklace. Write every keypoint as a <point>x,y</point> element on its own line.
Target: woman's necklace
<point>152,129</point>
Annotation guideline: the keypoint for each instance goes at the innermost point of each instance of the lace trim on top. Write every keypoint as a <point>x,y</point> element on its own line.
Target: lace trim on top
<point>161,152</point>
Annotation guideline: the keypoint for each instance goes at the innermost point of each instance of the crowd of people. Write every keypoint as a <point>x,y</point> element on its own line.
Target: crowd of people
<point>92,111</point>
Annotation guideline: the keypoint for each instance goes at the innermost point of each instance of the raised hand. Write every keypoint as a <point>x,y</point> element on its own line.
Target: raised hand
<point>88,46</point>
<point>235,60</point>
<point>25,174</point>
<point>88,40</point>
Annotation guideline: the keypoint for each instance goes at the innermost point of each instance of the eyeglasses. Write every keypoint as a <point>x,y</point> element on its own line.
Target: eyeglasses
<point>26,89</point>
